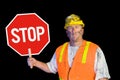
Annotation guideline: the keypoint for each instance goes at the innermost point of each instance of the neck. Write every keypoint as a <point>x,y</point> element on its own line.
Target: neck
<point>76,43</point>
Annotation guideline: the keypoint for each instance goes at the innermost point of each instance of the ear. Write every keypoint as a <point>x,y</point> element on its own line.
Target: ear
<point>67,33</point>
<point>82,31</point>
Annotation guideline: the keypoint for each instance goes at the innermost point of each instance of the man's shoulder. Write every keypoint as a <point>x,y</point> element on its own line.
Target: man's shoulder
<point>93,43</point>
<point>63,44</point>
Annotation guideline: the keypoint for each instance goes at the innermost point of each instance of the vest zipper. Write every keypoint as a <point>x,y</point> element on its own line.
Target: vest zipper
<point>68,73</point>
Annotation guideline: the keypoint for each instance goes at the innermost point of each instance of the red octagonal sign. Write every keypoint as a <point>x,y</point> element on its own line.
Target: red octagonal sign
<point>27,32</point>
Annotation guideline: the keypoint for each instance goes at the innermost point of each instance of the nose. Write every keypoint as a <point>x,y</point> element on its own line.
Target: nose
<point>73,29</point>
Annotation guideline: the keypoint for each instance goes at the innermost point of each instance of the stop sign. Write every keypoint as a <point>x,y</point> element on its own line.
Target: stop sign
<point>27,32</point>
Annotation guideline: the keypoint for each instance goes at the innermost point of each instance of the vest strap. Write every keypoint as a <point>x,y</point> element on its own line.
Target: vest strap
<point>85,52</point>
<point>62,51</point>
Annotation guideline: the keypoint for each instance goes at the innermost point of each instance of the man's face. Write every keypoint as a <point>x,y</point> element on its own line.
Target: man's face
<point>74,32</point>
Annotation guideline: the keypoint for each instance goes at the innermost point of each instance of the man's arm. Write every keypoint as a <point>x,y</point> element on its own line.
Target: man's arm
<point>32,62</point>
<point>104,79</point>
<point>101,67</point>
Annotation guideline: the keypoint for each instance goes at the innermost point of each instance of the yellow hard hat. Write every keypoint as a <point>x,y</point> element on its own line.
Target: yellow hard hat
<point>72,20</point>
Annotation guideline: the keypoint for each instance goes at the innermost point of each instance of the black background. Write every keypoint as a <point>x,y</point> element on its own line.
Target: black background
<point>97,16</point>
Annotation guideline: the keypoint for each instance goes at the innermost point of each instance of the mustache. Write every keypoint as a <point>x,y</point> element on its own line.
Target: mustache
<point>73,33</point>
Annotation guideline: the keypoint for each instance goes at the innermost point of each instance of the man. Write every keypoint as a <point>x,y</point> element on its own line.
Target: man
<point>77,59</point>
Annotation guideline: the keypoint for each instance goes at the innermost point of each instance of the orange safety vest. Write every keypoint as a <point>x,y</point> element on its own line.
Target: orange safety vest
<point>83,63</point>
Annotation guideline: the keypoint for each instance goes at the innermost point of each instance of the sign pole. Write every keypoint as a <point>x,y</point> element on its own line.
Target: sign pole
<point>30,56</point>
<point>29,52</point>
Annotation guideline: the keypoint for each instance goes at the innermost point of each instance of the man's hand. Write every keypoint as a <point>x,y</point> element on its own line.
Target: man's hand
<point>31,62</point>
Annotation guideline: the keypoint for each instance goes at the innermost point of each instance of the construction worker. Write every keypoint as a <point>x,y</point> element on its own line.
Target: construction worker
<point>77,59</point>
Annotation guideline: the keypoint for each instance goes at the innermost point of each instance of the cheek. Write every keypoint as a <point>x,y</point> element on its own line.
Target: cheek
<point>81,32</point>
<point>68,33</point>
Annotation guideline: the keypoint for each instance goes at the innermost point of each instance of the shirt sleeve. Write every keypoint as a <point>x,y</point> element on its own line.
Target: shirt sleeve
<point>101,67</point>
<point>52,64</point>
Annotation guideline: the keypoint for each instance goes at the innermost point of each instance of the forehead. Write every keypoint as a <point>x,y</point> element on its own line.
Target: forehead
<point>75,25</point>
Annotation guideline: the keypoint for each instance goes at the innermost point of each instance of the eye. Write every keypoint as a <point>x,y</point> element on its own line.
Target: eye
<point>69,28</point>
<point>76,27</point>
